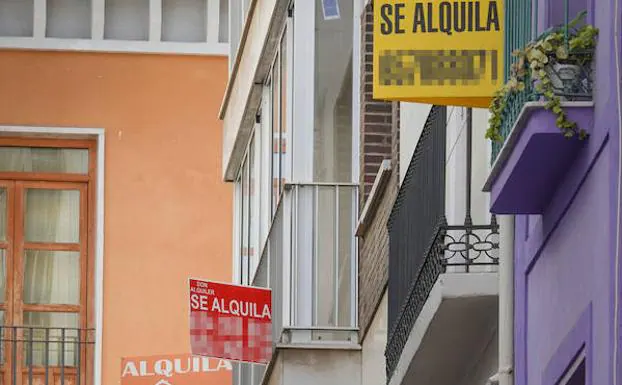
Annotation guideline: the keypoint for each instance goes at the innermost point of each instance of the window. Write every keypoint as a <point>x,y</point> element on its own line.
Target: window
<point>333,93</point>
<point>16,17</point>
<point>68,19</point>
<point>249,212</point>
<point>160,26</point>
<point>278,119</point>
<point>184,20</point>
<point>557,10</point>
<point>576,374</point>
<point>126,20</point>
<point>45,266</point>
<point>332,160</point>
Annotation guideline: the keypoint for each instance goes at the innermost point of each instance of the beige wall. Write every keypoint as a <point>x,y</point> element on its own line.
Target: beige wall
<point>167,213</point>
<point>374,370</point>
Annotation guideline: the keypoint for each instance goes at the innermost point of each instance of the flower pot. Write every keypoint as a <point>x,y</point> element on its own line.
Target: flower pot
<point>565,78</point>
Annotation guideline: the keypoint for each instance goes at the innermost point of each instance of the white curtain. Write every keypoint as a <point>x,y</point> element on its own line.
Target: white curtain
<point>31,159</point>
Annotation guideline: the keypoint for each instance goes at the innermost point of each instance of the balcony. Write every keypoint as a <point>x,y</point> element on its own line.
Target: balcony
<point>532,154</point>
<point>33,355</point>
<point>442,277</point>
<point>451,302</point>
<point>309,262</point>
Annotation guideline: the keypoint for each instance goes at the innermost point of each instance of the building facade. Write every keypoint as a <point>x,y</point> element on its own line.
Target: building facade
<point>566,224</point>
<point>341,200</point>
<point>290,147</point>
<point>110,190</point>
<point>367,219</point>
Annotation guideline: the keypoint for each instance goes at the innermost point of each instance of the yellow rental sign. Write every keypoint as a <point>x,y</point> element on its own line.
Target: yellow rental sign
<point>438,52</point>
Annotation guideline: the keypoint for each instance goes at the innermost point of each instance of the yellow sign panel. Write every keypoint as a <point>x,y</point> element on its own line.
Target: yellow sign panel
<point>438,52</point>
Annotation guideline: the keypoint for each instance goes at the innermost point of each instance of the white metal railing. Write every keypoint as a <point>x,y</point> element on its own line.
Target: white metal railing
<point>309,257</point>
<point>309,260</point>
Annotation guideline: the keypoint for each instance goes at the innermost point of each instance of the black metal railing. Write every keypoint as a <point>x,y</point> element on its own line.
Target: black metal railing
<point>421,243</point>
<point>419,204</point>
<point>32,355</point>
<point>463,248</point>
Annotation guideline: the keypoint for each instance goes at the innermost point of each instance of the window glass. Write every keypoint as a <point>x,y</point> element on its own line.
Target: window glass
<point>557,10</point>
<point>3,213</point>
<point>244,225</point>
<point>68,19</point>
<point>52,277</point>
<point>40,159</point>
<point>184,20</point>
<point>276,169</point>
<point>283,134</point>
<point>55,334</point>
<point>253,208</point>
<point>16,17</point>
<point>52,216</point>
<point>333,93</point>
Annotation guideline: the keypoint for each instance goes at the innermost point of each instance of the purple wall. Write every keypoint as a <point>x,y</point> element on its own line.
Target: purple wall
<point>565,258</point>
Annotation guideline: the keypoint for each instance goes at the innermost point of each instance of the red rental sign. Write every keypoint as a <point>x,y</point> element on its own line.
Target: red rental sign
<point>230,321</point>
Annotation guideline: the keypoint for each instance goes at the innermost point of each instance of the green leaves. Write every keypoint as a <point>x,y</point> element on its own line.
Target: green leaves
<point>565,44</point>
<point>561,52</point>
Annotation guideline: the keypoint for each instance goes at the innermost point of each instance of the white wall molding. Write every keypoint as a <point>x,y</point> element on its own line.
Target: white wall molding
<point>89,45</point>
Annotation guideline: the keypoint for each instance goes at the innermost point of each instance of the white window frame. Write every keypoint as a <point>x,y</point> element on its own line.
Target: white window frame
<point>97,43</point>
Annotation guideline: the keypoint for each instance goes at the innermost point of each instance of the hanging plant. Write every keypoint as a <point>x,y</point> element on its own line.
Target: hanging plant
<point>552,65</point>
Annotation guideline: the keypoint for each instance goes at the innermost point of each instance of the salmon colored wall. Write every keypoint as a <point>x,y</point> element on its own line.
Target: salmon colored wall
<point>167,211</point>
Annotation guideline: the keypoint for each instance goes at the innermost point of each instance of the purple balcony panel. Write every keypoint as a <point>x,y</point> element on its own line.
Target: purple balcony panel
<point>535,158</point>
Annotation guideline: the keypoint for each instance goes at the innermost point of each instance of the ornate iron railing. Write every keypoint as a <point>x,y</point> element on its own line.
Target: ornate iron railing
<point>33,355</point>
<point>463,248</point>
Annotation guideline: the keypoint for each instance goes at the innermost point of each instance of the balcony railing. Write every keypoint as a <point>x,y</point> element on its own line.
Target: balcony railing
<point>520,29</point>
<point>32,355</point>
<point>309,262</point>
<point>311,248</point>
<point>464,248</point>
<point>421,243</point>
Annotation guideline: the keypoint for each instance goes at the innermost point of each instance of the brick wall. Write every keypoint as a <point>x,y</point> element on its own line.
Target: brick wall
<point>375,115</point>
<point>379,141</point>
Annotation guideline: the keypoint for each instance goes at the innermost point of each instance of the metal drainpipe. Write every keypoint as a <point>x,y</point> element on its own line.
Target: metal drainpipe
<point>506,300</point>
<point>505,373</point>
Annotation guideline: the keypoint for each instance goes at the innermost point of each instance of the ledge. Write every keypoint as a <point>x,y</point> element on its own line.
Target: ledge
<point>114,46</point>
<point>376,194</point>
<point>534,158</point>
<point>458,312</point>
<point>301,338</point>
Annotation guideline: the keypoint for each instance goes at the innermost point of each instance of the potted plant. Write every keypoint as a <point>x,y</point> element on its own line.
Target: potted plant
<point>553,67</point>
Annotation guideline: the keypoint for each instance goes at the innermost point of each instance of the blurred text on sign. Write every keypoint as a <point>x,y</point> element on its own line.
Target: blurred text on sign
<point>439,52</point>
<point>230,321</point>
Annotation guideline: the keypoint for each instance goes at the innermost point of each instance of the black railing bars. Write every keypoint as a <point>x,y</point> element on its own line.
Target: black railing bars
<point>33,355</point>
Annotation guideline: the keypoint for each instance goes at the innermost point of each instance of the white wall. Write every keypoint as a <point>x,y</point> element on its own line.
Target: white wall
<point>455,187</point>
<point>486,363</point>
<point>412,120</point>
<point>318,366</point>
<point>243,83</point>
<point>373,360</point>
